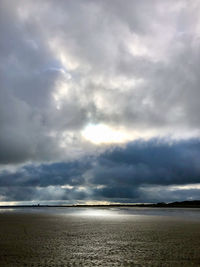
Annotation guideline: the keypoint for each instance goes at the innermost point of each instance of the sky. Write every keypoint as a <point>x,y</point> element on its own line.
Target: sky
<point>99,101</point>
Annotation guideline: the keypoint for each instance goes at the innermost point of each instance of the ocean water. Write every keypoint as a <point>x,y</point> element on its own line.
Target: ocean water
<point>99,237</point>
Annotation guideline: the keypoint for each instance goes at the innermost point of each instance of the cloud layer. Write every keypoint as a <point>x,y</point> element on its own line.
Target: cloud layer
<point>141,171</point>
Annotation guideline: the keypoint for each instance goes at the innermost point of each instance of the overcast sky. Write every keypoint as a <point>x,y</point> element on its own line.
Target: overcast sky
<point>99,101</point>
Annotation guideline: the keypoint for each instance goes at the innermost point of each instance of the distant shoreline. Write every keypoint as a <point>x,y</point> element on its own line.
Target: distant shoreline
<point>183,204</point>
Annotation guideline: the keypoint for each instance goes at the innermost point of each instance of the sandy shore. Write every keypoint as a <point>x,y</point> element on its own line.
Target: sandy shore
<point>57,240</point>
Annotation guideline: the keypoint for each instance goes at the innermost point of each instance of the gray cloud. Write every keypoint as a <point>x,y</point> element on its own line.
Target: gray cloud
<point>131,66</point>
<point>154,162</point>
<point>142,172</point>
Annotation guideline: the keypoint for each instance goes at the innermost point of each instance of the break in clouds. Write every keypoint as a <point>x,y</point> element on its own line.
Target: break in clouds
<point>81,82</point>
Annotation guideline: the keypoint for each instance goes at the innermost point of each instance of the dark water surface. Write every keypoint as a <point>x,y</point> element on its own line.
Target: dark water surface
<point>99,237</point>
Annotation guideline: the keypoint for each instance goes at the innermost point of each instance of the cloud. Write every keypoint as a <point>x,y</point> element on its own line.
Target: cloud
<point>132,66</point>
<point>141,171</point>
<point>153,162</point>
<point>77,66</point>
<point>45,175</point>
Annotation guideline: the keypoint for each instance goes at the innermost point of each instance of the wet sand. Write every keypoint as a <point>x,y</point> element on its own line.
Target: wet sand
<point>45,239</point>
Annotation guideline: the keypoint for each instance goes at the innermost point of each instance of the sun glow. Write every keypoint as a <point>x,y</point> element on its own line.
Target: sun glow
<point>102,133</point>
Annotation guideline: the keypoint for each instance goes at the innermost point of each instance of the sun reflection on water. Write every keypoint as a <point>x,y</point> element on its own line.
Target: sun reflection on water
<point>92,212</point>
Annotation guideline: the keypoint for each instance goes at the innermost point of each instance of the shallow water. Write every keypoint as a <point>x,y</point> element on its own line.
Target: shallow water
<point>184,213</point>
<point>99,237</point>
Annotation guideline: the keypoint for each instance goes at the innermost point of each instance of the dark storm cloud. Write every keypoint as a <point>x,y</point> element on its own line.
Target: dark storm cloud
<point>45,175</point>
<point>141,171</point>
<point>116,193</point>
<point>125,171</point>
<point>153,162</point>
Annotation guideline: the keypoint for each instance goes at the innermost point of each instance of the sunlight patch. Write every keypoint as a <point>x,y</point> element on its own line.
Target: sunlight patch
<point>102,133</point>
